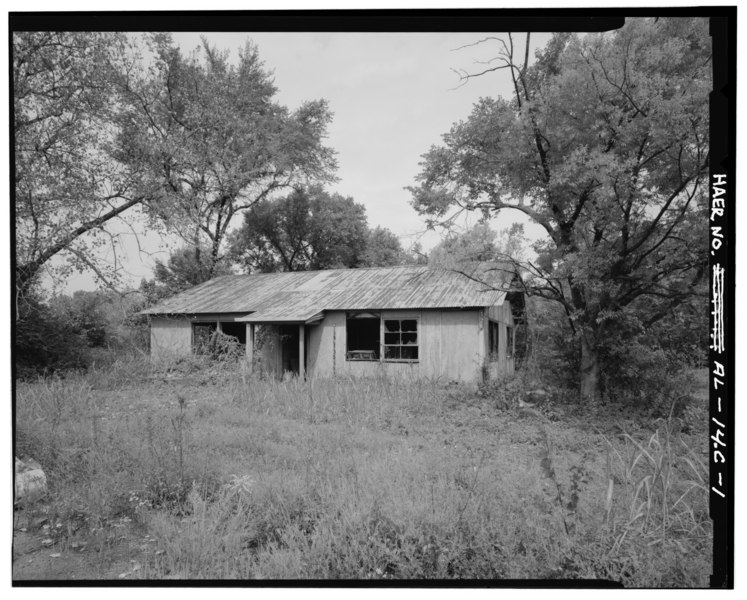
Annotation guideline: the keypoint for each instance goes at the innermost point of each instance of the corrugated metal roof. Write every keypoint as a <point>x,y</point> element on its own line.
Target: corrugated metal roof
<point>300,295</point>
<point>285,306</point>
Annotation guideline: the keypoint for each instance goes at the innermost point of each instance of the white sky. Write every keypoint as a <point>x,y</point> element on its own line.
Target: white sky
<point>393,95</point>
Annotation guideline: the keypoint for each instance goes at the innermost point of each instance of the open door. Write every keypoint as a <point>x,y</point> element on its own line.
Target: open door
<point>290,348</point>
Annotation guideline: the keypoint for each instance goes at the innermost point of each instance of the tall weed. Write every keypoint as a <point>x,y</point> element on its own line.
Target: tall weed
<point>240,476</point>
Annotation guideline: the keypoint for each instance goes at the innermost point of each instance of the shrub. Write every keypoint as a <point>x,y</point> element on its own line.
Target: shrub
<point>44,343</point>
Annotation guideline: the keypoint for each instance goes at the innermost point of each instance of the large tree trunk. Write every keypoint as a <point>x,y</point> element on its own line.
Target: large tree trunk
<point>589,367</point>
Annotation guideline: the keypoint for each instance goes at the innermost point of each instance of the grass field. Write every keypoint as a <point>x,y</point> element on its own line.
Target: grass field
<point>162,471</point>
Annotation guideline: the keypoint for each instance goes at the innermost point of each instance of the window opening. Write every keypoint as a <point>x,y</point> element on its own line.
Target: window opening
<point>363,333</point>
<point>509,342</point>
<point>493,339</point>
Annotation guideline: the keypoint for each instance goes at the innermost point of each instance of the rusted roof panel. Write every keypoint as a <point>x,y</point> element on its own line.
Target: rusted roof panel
<point>285,306</point>
<point>300,295</point>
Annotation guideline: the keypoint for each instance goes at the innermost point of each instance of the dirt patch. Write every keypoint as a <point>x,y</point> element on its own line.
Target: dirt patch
<point>40,555</point>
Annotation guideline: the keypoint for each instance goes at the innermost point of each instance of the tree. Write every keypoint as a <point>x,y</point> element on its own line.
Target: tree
<point>211,137</point>
<point>186,268</point>
<point>383,249</point>
<point>43,342</point>
<point>68,186</point>
<point>474,244</point>
<point>308,229</point>
<point>478,243</point>
<point>605,145</point>
<point>84,314</point>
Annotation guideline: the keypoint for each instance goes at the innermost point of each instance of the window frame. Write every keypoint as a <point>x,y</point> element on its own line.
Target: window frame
<point>416,345</point>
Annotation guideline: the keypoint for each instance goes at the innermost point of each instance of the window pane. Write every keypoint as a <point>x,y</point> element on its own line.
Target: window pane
<point>409,325</point>
<point>391,325</point>
<point>391,338</point>
<point>409,338</point>
<point>410,352</point>
<point>391,352</point>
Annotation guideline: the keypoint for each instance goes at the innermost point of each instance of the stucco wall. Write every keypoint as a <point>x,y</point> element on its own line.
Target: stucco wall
<point>170,337</point>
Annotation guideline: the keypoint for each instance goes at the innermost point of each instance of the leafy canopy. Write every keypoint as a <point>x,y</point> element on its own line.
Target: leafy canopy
<point>604,143</point>
<point>311,229</point>
<point>68,183</point>
<point>213,139</point>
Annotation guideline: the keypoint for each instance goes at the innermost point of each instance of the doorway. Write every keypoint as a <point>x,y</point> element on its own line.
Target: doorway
<point>289,350</point>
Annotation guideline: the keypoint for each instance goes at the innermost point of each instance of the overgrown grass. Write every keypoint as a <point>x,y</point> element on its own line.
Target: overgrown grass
<point>238,477</point>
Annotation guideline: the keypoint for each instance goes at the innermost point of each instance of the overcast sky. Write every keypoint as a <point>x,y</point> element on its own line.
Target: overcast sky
<point>393,95</point>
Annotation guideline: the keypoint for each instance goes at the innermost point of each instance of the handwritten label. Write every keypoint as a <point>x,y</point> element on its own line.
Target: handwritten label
<point>719,436</point>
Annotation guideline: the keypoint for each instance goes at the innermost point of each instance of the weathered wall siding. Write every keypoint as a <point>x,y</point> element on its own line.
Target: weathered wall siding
<point>326,344</point>
<point>453,345</point>
<point>361,368</point>
<point>450,347</point>
<point>170,337</point>
<point>501,313</point>
<point>462,345</point>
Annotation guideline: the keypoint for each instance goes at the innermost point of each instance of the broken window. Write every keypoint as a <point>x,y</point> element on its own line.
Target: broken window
<point>401,339</point>
<point>493,337</point>
<point>363,336</point>
<point>202,336</point>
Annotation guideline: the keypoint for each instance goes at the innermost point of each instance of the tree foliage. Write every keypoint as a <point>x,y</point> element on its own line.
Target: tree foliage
<point>68,186</point>
<point>479,243</point>
<point>186,267</point>
<point>605,145</point>
<point>311,229</point>
<point>43,342</point>
<point>213,139</point>
<point>72,331</point>
<point>383,249</point>
<point>476,243</point>
<point>105,122</point>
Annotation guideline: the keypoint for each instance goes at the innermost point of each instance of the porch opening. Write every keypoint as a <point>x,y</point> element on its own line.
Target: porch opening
<point>289,348</point>
<point>203,335</point>
<point>235,330</point>
<point>292,358</point>
<point>217,339</point>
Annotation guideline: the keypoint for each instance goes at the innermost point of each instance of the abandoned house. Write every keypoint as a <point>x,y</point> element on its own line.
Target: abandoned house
<point>411,320</point>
